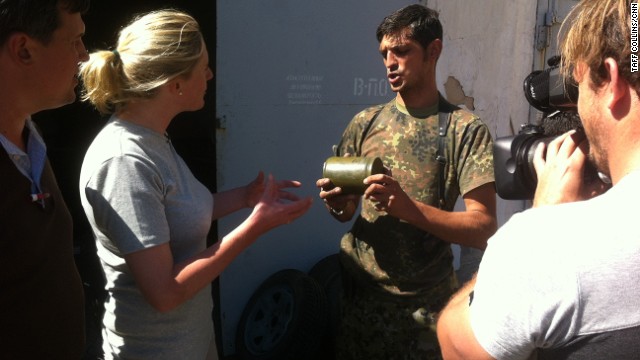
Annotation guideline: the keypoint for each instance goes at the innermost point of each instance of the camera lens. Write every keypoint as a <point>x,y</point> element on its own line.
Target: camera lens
<point>514,172</point>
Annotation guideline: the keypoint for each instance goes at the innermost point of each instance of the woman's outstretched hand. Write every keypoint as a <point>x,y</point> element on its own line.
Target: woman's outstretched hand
<point>277,206</point>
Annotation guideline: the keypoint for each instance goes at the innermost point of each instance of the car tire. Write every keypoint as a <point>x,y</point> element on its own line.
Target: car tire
<point>327,273</point>
<point>284,319</point>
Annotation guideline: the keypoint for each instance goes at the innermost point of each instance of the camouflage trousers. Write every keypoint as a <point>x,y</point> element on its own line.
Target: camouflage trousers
<point>375,326</point>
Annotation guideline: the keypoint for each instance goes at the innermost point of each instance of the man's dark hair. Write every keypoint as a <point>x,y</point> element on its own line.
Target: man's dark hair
<point>36,18</point>
<point>423,23</point>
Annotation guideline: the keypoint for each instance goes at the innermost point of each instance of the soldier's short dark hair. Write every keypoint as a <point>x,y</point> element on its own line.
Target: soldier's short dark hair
<point>36,18</point>
<point>423,23</point>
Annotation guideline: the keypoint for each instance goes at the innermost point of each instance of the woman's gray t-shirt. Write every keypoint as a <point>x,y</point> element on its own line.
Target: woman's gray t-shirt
<point>138,193</point>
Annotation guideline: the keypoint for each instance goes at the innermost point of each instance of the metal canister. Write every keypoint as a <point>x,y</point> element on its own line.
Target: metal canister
<point>349,172</point>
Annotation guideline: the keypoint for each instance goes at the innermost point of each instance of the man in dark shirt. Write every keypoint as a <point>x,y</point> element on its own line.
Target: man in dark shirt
<point>41,299</point>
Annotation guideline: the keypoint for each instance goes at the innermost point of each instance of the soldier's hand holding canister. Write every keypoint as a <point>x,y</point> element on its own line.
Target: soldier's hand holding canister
<point>343,183</point>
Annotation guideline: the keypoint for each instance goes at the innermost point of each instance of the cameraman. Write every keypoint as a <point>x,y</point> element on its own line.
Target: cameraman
<point>562,280</point>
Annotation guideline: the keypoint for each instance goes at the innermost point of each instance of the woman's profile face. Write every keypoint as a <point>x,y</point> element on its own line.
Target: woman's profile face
<point>194,85</point>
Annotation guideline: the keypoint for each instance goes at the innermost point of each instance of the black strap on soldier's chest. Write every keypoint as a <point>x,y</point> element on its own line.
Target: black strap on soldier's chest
<point>441,159</point>
<point>444,110</point>
<point>366,130</point>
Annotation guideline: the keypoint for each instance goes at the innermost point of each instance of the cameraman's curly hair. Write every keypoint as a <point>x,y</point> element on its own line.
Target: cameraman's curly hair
<point>596,30</point>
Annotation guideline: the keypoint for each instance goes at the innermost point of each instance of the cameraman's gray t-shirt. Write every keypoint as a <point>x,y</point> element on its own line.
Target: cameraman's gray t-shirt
<point>563,282</point>
<point>138,193</point>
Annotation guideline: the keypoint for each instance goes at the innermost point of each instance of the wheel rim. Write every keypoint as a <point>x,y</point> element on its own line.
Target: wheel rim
<point>269,319</point>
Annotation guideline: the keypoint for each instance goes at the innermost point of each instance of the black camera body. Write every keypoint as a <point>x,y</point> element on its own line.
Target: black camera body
<point>546,91</point>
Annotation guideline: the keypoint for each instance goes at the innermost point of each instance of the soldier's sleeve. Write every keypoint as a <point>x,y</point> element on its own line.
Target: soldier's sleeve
<point>475,162</point>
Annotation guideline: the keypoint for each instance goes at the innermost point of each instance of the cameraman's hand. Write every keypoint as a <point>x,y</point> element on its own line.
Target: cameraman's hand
<point>561,171</point>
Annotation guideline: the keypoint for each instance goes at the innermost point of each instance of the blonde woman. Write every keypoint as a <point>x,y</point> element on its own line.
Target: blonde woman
<point>149,215</point>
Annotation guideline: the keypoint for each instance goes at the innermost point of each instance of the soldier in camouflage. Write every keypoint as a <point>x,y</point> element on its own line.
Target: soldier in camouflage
<point>397,259</point>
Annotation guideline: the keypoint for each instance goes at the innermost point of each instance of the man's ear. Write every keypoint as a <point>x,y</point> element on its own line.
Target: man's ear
<point>19,47</point>
<point>617,87</point>
<point>434,49</point>
<point>24,54</point>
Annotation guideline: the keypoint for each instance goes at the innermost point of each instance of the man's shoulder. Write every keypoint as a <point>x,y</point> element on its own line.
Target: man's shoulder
<point>466,116</point>
<point>369,112</point>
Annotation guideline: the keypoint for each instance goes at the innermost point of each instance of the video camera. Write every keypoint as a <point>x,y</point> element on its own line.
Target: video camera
<point>546,91</point>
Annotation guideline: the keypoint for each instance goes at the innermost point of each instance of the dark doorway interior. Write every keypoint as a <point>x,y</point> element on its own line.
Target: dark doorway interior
<point>68,131</point>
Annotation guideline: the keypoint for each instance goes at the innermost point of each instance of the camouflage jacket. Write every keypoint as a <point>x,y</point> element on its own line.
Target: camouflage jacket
<point>383,251</point>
